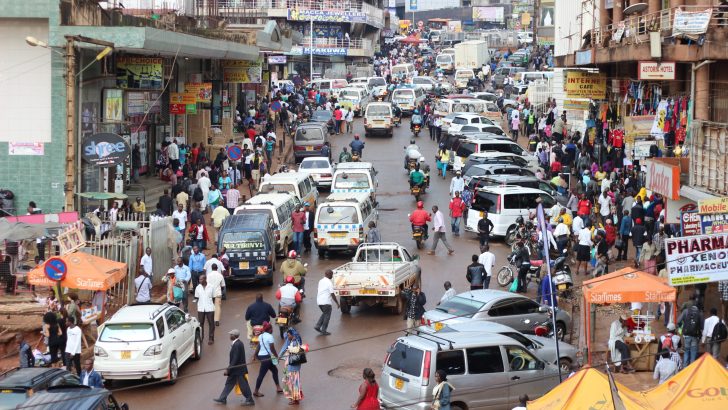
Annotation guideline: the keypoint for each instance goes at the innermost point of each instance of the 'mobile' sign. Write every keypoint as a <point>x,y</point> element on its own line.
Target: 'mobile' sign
<point>105,149</point>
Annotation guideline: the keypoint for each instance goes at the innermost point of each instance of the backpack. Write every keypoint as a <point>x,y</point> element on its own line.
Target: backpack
<point>720,332</point>
<point>31,358</point>
<point>691,324</point>
<point>197,194</point>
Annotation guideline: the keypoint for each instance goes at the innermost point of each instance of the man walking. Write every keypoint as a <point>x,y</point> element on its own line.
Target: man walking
<point>475,274</point>
<point>691,321</point>
<point>146,262</point>
<point>204,295</point>
<point>457,207</point>
<point>711,338</point>
<point>258,313</point>
<point>487,259</point>
<point>197,265</point>
<point>438,222</point>
<point>183,276</point>
<point>236,372</point>
<point>217,282</point>
<point>324,297</point>
<point>143,285</point>
<point>485,226</point>
<point>307,226</point>
<point>414,305</point>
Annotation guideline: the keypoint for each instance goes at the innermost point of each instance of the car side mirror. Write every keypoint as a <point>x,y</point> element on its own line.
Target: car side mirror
<point>188,317</point>
<point>415,257</point>
<point>543,309</point>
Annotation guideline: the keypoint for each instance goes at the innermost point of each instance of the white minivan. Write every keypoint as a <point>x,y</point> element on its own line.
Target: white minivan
<point>445,62</point>
<point>279,207</point>
<point>379,119</point>
<point>406,70</point>
<point>299,184</point>
<point>504,204</point>
<point>354,98</point>
<point>408,98</point>
<point>462,76</point>
<point>355,177</point>
<point>341,220</point>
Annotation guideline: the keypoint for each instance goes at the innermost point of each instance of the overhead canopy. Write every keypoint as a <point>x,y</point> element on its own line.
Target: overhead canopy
<point>700,386</point>
<point>627,285</point>
<point>85,271</point>
<point>411,40</point>
<point>18,231</point>
<point>587,389</point>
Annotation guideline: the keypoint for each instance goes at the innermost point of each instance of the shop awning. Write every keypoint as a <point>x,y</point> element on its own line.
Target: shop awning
<point>85,271</point>
<point>153,41</point>
<point>696,195</point>
<point>19,231</point>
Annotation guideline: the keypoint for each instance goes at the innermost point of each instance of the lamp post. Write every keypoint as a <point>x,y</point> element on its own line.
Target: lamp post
<point>71,106</point>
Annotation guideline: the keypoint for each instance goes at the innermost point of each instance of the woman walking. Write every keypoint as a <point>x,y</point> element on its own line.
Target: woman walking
<point>266,354</point>
<point>441,393</point>
<point>368,392</point>
<point>52,334</point>
<point>292,347</point>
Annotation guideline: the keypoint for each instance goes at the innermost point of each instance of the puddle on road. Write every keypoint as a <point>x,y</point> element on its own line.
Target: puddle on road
<point>352,369</point>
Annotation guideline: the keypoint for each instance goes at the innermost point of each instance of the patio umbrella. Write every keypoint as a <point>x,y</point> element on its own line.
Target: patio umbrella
<point>18,231</point>
<point>85,271</point>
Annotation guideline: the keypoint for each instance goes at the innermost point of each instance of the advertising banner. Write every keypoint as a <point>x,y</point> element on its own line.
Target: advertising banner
<point>582,84</point>
<point>653,70</point>
<point>277,59</point>
<point>319,51</point>
<point>242,71</point>
<point>494,14</point>
<point>113,105</point>
<point>697,259</point>
<point>139,72</point>
<point>690,223</point>
<point>455,25</point>
<point>26,148</point>
<point>658,125</point>
<point>183,98</point>
<point>713,206</point>
<point>691,22</point>
<point>202,91</point>
<point>717,223</point>
<point>663,179</point>
<point>105,149</point>
<point>331,16</point>
<point>177,109</point>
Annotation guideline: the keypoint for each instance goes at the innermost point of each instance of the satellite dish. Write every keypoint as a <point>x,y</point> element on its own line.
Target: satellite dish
<point>635,8</point>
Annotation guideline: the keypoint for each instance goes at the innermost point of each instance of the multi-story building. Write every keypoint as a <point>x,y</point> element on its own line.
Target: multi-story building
<point>334,34</point>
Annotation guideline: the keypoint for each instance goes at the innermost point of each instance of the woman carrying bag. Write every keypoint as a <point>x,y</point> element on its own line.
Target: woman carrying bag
<point>441,393</point>
<point>295,355</point>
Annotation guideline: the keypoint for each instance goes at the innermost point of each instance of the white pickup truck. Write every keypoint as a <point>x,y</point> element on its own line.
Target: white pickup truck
<point>377,275</point>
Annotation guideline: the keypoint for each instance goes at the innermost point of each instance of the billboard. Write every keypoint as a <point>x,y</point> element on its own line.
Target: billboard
<point>582,84</point>
<point>139,72</point>
<point>494,14</point>
<point>242,71</point>
<point>697,259</point>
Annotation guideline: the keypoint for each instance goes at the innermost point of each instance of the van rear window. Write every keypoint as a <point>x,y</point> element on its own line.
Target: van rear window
<point>338,215</point>
<point>243,240</point>
<point>466,149</point>
<point>309,134</point>
<point>406,359</point>
<point>281,188</point>
<point>485,201</point>
<point>352,181</point>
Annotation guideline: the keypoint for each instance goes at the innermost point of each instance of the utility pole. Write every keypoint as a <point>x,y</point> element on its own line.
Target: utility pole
<point>70,185</point>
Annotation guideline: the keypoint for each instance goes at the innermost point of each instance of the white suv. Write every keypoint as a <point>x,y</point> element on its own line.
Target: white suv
<point>146,342</point>
<point>504,204</point>
<point>461,120</point>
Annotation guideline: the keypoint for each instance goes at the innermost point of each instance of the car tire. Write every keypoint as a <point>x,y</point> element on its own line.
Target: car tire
<point>398,308</point>
<point>173,369</point>
<point>457,407</point>
<point>197,353</point>
<point>345,306</point>
<point>560,330</point>
<point>565,365</point>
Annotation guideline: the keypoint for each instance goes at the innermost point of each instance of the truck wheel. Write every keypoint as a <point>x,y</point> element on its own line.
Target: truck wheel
<point>398,308</point>
<point>321,253</point>
<point>345,306</point>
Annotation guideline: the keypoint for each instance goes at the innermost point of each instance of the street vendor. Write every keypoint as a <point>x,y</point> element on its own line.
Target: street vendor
<point>618,349</point>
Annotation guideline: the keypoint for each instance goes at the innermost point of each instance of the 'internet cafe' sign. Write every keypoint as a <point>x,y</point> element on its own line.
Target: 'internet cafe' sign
<point>105,149</point>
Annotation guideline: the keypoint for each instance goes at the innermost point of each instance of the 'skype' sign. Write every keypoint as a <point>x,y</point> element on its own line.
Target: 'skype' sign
<point>697,259</point>
<point>105,149</point>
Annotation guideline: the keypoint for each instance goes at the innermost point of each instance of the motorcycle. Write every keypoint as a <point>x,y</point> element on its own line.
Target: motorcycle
<point>417,190</point>
<point>561,278</point>
<point>419,235</point>
<point>397,121</point>
<point>508,273</point>
<point>355,156</point>
<point>416,130</point>
<point>411,164</point>
<point>286,318</point>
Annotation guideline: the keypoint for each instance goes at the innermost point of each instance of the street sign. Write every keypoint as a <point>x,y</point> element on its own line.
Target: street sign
<point>275,106</point>
<point>234,153</point>
<point>55,269</point>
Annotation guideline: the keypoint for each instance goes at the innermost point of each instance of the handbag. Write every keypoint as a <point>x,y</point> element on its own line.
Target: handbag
<point>514,286</point>
<point>178,292</point>
<point>619,243</point>
<point>296,356</point>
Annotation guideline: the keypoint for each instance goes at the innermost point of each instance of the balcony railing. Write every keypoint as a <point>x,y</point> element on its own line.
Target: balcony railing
<point>334,42</point>
<point>636,28</point>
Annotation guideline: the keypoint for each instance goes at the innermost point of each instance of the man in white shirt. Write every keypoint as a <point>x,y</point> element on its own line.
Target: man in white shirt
<point>487,259</point>
<point>212,261</point>
<point>204,294</point>
<point>324,297</point>
<point>73,345</point>
<point>577,224</point>
<point>665,368</point>
<point>605,206</point>
<point>146,262</point>
<point>583,252</point>
<point>708,327</point>
<point>173,154</point>
<point>217,282</point>
<point>143,286</point>
<point>449,293</point>
<point>561,234</point>
<point>181,215</point>
<point>457,184</point>
<point>438,222</point>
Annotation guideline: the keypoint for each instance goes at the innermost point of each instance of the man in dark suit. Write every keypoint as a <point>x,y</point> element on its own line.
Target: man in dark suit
<point>166,203</point>
<point>236,372</point>
<point>307,226</point>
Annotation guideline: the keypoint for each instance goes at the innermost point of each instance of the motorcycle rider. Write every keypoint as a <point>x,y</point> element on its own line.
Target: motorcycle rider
<point>289,296</point>
<point>425,168</point>
<point>523,262</point>
<point>412,151</point>
<point>397,112</point>
<point>416,119</point>
<point>420,217</point>
<point>357,146</point>
<point>345,156</point>
<point>294,268</point>
<point>417,177</point>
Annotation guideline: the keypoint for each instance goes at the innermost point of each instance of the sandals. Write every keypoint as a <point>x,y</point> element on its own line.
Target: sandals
<point>258,394</point>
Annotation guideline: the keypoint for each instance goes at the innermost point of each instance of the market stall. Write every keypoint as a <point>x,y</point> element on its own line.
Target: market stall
<point>626,286</point>
<point>588,389</point>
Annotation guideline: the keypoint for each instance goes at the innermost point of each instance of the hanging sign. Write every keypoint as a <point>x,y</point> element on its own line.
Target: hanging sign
<point>177,109</point>
<point>690,223</point>
<point>582,84</point>
<point>202,91</point>
<point>653,70</point>
<point>105,149</point>
<point>713,206</point>
<point>139,72</point>
<point>697,259</point>
<point>242,71</point>
<point>183,98</point>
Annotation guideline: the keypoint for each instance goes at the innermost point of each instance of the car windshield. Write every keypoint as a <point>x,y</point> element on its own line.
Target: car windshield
<point>309,134</point>
<point>379,110</point>
<point>353,94</point>
<point>278,188</point>
<point>464,74</point>
<point>488,97</point>
<point>321,116</point>
<point>403,94</point>
<point>406,359</point>
<point>338,215</point>
<point>314,164</point>
<point>377,82</point>
<point>243,240</point>
<point>352,181</point>
<point>127,332</point>
<point>460,306</point>
<point>422,81</point>
<point>444,58</point>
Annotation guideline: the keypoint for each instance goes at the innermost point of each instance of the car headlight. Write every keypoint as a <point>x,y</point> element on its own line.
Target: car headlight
<point>153,350</point>
<point>100,352</point>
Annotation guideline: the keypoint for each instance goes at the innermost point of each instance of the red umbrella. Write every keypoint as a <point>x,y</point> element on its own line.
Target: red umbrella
<point>411,40</point>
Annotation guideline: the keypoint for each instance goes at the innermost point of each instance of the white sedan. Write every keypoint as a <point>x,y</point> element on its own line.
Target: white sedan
<point>319,168</point>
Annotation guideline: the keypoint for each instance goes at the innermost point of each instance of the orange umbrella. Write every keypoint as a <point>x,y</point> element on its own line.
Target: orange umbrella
<point>85,271</point>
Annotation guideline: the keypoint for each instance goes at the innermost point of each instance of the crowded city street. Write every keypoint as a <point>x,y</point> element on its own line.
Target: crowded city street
<point>296,204</point>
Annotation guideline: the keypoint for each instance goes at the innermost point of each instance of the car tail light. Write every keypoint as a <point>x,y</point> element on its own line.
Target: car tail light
<point>498,205</point>
<point>318,146</point>
<point>429,322</point>
<point>153,350</point>
<point>299,148</point>
<point>278,235</point>
<point>386,357</point>
<point>426,372</point>
<point>100,352</point>
<point>315,234</point>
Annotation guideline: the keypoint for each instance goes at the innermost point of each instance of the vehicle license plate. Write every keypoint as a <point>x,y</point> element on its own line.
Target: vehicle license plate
<point>338,234</point>
<point>282,320</point>
<point>562,286</point>
<point>438,326</point>
<point>125,354</point>
<point>309,148</point>
<point>368,292</point>
<point>244,265</point>
<point>399,384</point>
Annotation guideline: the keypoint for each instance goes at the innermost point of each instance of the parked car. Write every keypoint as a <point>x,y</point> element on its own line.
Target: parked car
<point>504,205</point>
<point>319,168</point>
<point>506,308</point>
<point>464,119</point>
<point>74,398</point>
<point>18,385</point>
<point>495,167</point>
<point>147,342</point>
<point>517,180</point>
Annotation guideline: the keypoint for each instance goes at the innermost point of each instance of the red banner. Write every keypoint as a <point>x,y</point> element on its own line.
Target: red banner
<point>177,109</point>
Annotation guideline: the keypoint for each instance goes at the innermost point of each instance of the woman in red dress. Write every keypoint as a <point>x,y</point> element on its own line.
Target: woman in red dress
<point>368,391</point>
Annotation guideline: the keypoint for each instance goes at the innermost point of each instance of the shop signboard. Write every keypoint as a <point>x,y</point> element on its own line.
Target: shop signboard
<point>331,16</point>
<point>713,206</point>
<point>582,84</point>
<point>242,71</point>
<point>105,149</point>
<point>319,51</point>
<point>191,109</point>
<point>455,25</point>
<point>714,223</point>
<point>579,105</point>
<point>113,105</point>
<point>641,148</point>
<point>493,14</point>
<point>26,148</point>
<point>697,259</point>
<point>139,72</point>
<point>183,98</point>
<point>412,5</point>
<point>654,70</point>
<point>691,23</point>
<point>690,223</point>
<point>277,59</point>
<point>663,178</point>
<point>177,109</point>
<point>202,91</point>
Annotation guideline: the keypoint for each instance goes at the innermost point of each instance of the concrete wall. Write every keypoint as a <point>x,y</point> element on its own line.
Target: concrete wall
<point>571,22</point>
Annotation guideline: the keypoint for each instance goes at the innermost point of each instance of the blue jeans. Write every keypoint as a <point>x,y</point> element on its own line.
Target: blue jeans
<point>455,223</point>
<point>297,241</point>
<point>637,250</point>
<point>691,349</point>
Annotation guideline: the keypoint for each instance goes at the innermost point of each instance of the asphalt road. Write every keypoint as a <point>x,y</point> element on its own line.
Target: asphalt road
<point>333,373</point>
